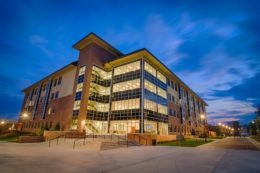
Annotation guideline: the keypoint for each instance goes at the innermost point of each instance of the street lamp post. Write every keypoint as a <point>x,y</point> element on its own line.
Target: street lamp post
<point>24,116</point>
<point>202,116</point>
<point>220,128</point>
<point>2,126</point>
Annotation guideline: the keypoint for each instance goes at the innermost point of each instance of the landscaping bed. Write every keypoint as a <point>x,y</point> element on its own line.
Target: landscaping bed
<point>10,137</point>
<point>186,143</point>
<point>257,138</point>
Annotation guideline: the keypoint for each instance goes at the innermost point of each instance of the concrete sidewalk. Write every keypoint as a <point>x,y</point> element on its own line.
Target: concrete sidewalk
<point>33,158</point>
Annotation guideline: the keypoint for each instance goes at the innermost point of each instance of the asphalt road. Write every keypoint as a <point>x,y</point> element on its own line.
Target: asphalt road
<point>238,143</point>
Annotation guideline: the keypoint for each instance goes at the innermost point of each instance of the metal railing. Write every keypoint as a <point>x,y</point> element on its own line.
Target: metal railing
<point>119,139</point>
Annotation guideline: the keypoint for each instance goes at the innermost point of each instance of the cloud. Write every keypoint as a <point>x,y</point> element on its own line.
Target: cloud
<point>154,32</point>
<point>223,109</point>
<point>211,54</point>
<point>41,43</point>
<point>219,72</point>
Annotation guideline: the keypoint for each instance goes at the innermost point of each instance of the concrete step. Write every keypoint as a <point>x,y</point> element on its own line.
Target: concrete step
<point>110,145</point>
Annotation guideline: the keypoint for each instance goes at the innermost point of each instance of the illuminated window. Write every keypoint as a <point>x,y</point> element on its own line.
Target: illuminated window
<point>96,106</point>
<point>79,87</point>
<point>49,111</point>
<point>161,92</point>
<point>82,70</point>
<point>161,77</point>
<point>99,89</point>
<point>126,104</point>
<point>149,69</point>
<point>128,85</point>
<point>162,109</point>
<point>127,68</point>
<point>76,105</point>
<point>149,86</point>
<point>150,105</point>
<point>101,73</point>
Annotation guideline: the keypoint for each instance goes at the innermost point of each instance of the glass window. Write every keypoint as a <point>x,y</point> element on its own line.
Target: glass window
<point>150,105</point>
<point>59,81</point>
<point>161,77</point>
<point>56,95</point>
<point>49,111</point>
<point>55,82</point>
<point>149,69</point>
<point>161,92</point>
<point>128,85</point>
<point>127,68</point>
<point>79,87</point>
<point>96,106</point>
<point>169,96</point>
<point>149,86</point>
<point>78,95</point>
<point>162,109</point>
<point>81,78</point>
<point>126,104</point>
<point>173,99</point>
<point>99,89</point>
<point>82,70</point>
<point>168,82</point>
<point>172,84</point>
<point>52,96</point>
<point>76,105</point>
<point>101,73</point>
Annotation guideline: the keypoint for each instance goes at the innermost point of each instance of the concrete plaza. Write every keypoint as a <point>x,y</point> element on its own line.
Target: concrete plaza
<point>15,157</point>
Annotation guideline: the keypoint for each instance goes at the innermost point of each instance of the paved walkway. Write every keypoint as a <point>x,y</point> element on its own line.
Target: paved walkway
<point>239,143</point>
<point>31,158</point>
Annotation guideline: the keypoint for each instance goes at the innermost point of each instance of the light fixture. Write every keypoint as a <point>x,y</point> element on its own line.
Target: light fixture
<point>2,122</point>
<point>25,115</point>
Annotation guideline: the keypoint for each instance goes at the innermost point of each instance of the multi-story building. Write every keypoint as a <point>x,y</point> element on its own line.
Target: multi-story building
<point>106,91</point>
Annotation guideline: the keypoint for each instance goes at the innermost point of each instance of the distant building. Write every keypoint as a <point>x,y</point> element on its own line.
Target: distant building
<point>106,91</point>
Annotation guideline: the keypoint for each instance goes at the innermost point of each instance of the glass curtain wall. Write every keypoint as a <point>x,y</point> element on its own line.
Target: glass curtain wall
<point>98,103</point>
<point>126,94</point>
<point>155,101</point>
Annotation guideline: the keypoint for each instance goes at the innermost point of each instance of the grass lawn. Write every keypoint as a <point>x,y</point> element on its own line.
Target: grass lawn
<point>187,143</point>
<point>218,137</point>
<point>257,138</point>
<point>10,137</point>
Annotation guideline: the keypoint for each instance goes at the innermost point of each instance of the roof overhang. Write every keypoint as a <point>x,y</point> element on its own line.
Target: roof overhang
<point>149,57</point>
<point>93,38</point>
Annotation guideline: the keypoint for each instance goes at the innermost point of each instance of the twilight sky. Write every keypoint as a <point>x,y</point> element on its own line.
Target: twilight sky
<point>213,46</point>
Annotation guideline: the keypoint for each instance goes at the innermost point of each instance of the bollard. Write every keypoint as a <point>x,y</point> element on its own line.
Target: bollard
<point>49,143</point>
<point>57,141</point>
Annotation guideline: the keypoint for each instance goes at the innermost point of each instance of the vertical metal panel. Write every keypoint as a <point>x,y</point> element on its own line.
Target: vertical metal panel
<point>46,98</point>
<point>36,101</point>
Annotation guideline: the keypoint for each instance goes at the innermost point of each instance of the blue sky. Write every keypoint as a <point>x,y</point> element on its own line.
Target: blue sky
<point>212,46</point>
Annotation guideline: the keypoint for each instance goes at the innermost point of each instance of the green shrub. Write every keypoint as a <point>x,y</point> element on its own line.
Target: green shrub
<point>39,132</point>
<point>57,126</point>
